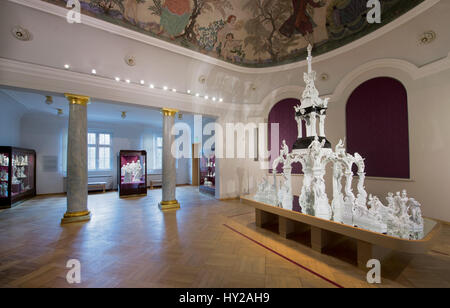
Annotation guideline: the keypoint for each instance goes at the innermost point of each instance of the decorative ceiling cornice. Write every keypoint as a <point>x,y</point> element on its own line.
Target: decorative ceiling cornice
<point>143,38</point>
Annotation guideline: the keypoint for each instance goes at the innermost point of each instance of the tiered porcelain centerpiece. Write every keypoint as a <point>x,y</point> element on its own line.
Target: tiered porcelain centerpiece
<point>401,217</point>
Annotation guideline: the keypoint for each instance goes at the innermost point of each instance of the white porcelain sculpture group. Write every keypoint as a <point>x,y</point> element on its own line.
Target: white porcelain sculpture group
<point>20,160</point>
<point>401,217</point>
<point>132,172</point>
<point>4,160</point>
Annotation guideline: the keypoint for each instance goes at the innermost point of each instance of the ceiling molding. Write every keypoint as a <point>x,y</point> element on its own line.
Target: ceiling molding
<point>413,71</point>
<point>33,76</point>
<point>146,39</point>
<point>348,82</point>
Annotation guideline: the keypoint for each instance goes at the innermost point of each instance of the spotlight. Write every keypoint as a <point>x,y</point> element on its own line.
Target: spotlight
<point>214,99</point>
<point>221,100</point>
<point>206,97</point>
<point>66,66</point>
<point>94,72</point>
<point>174,90</point>
<point>127,81</point>
<point>189,91</point>
<point>152,86</point>
<point>165,88</point>
<point>197,95</point>
<point>142,82</point>
<point>117,79</point>
<point>49,100</point>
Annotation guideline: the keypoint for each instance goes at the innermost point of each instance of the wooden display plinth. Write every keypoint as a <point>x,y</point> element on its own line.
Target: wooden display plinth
<point>326,233</point>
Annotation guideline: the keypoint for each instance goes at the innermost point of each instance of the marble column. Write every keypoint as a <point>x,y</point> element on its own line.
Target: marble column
<point>169,176</point>
<point>77,170</point>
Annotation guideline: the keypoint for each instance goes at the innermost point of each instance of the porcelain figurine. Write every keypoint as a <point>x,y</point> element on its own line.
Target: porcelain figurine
<point>266,193</point>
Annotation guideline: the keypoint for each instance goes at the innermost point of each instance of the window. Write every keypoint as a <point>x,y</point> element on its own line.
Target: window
<point>158,153</point>
<point>99,151</point>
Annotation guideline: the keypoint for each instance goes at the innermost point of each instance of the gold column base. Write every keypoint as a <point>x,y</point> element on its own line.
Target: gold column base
<point>169,205</point>
<point>76,217</point>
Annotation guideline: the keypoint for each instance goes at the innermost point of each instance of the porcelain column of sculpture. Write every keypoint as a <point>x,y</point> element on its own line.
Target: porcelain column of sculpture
<point>312,151</point>
<point>337,205</point>
<point>77,170</point>
<point>169,171</point>
<point>284,193</point>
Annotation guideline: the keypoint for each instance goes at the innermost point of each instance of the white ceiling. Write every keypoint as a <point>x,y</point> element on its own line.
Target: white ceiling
<point>98,111</point>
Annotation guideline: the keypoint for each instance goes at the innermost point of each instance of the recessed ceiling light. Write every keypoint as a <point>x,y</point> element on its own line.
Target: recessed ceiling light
<point>197,94</point>
<point>214,99</point>
<point>127,81</point>
<point>206,97</point>
<point>165,88</point>
<point>221,100</point>
<point>189,91</point>
<point>94,72</point>
<point>142,82</point>
<point>174,90</point>
<point>117,79</point>
<point>66,66</point>
<point>152,86</point>
<point>21,33</point>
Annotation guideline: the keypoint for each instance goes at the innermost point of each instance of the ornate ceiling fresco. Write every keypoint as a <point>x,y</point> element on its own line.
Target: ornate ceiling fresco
<point>251,33</point>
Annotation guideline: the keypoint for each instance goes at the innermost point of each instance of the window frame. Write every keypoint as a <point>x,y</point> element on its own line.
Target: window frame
<point>97,147</point>
<point>155,160</point>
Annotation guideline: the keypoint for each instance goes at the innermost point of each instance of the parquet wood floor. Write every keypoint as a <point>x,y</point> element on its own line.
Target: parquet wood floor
<point>207,243</point>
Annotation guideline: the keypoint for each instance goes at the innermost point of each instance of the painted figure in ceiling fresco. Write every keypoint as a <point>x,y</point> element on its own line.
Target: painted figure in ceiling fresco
<point>301,20</point>
<point>231,25</point>
<point>232,48</point>
<point>130,10</point>
<point>346,17</point>
<point>208,36</point>
<point>175,16</point>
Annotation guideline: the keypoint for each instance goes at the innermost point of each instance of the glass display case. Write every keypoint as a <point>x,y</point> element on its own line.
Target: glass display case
<point>17,175</point>
<point>132,173</point>
<point>208,174</point>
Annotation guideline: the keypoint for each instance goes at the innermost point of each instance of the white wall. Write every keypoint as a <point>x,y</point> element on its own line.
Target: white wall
<point>43,133</point>
<point>10,114</point>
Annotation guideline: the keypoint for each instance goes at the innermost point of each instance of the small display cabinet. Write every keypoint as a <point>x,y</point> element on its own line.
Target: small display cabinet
<point>17,175</point>
<point>208,174</point>
<point>132,173</point>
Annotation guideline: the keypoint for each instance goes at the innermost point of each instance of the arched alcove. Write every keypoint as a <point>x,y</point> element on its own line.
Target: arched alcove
<point>377,127</point>
<point>283,114</point>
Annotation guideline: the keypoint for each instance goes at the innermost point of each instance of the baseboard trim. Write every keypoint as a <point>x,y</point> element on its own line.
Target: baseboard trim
<point>228,199</point>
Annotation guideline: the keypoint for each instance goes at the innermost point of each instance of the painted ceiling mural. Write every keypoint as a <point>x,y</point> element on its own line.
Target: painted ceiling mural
<point>251,33</point>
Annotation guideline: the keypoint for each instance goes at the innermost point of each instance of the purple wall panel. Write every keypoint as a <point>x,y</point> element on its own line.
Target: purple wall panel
<point>283,113</point>
<point>377,127</point>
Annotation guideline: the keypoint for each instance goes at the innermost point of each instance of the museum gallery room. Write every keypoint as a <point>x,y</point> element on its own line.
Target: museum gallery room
<point>224,144</point>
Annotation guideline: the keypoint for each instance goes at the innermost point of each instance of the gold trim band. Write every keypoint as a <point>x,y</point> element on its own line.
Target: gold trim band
<point>169,202</point>
<point>169,112</point>
<point>76,214</point>
<point>77,99</point>
<point>169,205</point>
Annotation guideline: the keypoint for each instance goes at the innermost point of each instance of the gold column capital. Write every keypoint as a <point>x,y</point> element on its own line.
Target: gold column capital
<point>169,112</point>
<point>77,99</point>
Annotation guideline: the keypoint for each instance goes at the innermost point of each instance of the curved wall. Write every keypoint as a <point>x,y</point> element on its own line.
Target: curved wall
<point>377,127</point>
